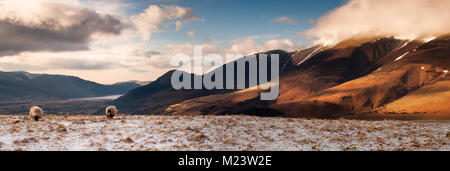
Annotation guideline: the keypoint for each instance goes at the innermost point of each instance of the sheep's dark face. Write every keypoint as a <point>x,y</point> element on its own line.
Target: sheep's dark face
<point>36,118</point>
<point>109,114</point>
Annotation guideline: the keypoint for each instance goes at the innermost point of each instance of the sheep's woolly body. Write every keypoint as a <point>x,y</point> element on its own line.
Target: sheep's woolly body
<point>111,111</point>
<point>36,113</point>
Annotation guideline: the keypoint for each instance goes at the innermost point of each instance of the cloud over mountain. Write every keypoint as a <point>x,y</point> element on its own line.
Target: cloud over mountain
<point>249,46</point>
<point>401,18</point>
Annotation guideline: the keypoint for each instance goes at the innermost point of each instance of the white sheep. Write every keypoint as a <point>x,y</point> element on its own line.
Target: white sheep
<point>36,113</point>
<point>111,111</point>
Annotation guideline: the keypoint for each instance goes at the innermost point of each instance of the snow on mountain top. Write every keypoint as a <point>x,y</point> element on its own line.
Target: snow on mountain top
<point>429,39</point>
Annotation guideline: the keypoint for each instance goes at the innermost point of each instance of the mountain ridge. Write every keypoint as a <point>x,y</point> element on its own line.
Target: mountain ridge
<point>24,86</point>
<point>329,83</point>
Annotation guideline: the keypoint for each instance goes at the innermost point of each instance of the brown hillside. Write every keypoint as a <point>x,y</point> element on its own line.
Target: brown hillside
<point>424,65</point>
<point>354,79</point>
<point>327,68</point>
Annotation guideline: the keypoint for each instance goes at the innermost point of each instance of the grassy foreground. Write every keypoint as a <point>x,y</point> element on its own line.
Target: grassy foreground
<point>127,132</point>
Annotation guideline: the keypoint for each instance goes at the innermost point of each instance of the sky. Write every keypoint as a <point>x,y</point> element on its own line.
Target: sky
<point>110,41</point>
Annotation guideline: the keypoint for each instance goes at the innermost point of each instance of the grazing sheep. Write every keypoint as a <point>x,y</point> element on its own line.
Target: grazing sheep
<point>111,111</point>
<point>36,113</point>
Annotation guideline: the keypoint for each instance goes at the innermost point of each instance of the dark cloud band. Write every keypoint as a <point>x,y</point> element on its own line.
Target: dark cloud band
<point>52,34</point>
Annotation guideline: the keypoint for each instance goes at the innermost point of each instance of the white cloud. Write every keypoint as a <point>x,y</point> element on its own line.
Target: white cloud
<point>154,16</point>
<point>188,48</point>
<point>178,25</point>
<point>250,46</point>
<point>191,33</point>
<point>115,7</point>
<point>285,20</point>
<point>163,60</point>
<point>403,18</point>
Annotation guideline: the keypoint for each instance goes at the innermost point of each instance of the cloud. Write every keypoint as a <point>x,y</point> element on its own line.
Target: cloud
<point>55,64</point>
<point>188,48</point>
<point>191,33</point>
<point>106,65</point>
<point>210,40</point>
<point>152,19</point>
<point>145,53</point>
<point>138,70</point>
<point>285,20</point>
<point>80,64</point>
<point>116,7</point>
<point>114,57</point>
<point>248,46</point>
<point>283,44</point>
<point>48,26</point>
<point>178,25</point>
<point>163,60</point>
<point>403,18</point>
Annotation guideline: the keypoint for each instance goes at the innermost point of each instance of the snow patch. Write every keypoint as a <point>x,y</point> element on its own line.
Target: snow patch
<point>400,57</point>
<point>405,44</point>
<point>309,55</point>
<point>429,39</point>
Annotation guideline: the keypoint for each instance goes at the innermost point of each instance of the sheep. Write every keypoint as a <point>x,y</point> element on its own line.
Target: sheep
<point>36,113</point>
<point>111,111</point>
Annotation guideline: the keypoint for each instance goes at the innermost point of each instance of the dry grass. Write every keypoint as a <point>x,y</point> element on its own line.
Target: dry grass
<point>126,140</point>
<point>126,132</point>
<point>431,100</point>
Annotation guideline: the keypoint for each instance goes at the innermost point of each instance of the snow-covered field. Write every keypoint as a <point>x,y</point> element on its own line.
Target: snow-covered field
<point>125,132</point>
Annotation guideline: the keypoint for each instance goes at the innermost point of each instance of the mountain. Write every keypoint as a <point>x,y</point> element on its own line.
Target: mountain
<point>360,78</point>
<point>26,86</point>
<point>316,69</point>
<point>160,94</point>
<point>417,69</point>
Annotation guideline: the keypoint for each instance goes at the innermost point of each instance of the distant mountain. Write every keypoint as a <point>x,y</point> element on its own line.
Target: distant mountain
<point>26,86</point>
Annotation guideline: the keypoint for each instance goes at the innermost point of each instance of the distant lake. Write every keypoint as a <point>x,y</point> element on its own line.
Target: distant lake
<point>112,97</point>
